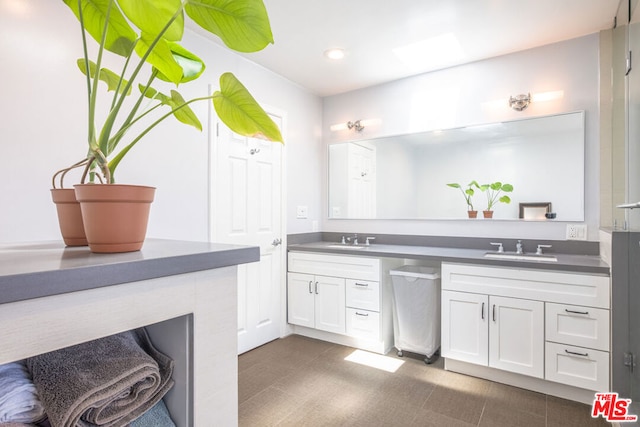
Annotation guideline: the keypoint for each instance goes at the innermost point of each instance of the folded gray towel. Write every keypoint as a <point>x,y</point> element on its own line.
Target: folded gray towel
<point>108,382</point>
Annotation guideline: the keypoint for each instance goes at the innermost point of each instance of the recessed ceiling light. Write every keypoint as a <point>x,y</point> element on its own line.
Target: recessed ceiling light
<point>334,53</point>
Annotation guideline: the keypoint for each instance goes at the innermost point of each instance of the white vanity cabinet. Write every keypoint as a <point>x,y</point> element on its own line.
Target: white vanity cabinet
<point>551,325</point>
<point>504,333</point>
<point>317,302</point>
<point>341,298</point>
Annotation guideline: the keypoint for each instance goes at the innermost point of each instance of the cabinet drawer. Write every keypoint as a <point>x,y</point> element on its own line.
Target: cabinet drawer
<point>363,324</point>
<point>363,294</point>
<point>350,267</point>
<point>551,286</point>
<point>575,325</point>
<point>577,366</point>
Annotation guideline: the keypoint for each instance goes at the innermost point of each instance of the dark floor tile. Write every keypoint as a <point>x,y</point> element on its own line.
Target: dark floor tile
<point>567,413</point>
<point>517,399</point>
<point>426,418</point>
<point>267,408</point>
<point>259,377</point>
<point>461,405</point>
<point>502,415</point>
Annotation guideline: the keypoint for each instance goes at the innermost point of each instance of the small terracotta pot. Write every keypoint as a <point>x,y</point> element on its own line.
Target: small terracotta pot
<point>487,214</point>
<point>69,216</point>
<point>472,214</point>
<point>115,216</point>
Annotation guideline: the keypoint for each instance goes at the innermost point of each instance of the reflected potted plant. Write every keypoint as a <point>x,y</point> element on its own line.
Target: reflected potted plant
<point>493,192</point>
<point>146,36</point>
<point>468,194</point>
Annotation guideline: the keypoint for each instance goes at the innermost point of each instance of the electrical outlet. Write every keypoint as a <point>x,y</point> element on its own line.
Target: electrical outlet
<point>576,232</point>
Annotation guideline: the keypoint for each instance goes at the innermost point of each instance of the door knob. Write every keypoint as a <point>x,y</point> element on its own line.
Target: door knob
<point>276,242</point>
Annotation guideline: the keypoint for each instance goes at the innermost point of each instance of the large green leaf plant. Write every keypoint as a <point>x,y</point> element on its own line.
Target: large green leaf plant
<point>147,34</point>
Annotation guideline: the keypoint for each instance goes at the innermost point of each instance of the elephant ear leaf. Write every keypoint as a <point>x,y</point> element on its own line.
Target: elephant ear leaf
<point>112,79</point>
<point>183,113</point>
<point>243,25</point>
<point>192,66</point>
<point>241,112</point>
<point>120,37</point>
<point>153,23</point>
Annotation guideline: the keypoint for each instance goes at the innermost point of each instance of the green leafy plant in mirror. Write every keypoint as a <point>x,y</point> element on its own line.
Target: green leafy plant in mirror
<point>467,192</point>
<point>493,192</point>
<point>146,34</point>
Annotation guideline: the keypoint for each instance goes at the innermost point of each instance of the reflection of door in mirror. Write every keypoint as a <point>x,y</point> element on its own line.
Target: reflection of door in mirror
<point>361,185</point>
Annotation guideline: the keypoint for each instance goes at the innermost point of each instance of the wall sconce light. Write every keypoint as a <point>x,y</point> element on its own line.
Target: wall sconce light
<point>520,102</point>
<point>355,125</point>
<point>358,125</point>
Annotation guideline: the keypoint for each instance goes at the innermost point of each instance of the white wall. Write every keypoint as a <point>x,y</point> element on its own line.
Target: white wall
<point>465,95</point>
<point>42,129</point>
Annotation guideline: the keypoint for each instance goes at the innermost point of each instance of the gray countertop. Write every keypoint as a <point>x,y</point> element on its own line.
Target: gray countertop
<point>33,270</point>
<point>565,262</point>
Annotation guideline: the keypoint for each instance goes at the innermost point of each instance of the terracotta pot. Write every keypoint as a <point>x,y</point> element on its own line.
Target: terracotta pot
<point>69,216</point>
<point>115,216</point>
<point>487,214</point>
<point>472,214</point>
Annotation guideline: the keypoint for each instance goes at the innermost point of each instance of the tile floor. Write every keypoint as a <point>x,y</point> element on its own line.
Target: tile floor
<point>298,381</point>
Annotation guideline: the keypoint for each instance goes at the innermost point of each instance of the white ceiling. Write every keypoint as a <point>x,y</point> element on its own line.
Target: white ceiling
<point>369,29</point>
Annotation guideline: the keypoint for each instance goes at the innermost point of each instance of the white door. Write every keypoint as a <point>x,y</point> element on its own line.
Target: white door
<point>330,305</point>
<point>300,298</point>
<point>247,210</point>
<point>516,335</point>
<point>362,181</point>
<point>464,327</point>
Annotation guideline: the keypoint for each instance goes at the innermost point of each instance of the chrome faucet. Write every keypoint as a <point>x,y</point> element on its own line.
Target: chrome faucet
<point>539,250</point>
<point>499,245</point>
<point>519,247</point>
<point>355,239</point>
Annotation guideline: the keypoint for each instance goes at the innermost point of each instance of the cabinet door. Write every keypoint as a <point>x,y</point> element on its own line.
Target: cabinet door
<point>464,327</point>
<point>300,299</point>
<point>330,304</point>
<point>516,335</point>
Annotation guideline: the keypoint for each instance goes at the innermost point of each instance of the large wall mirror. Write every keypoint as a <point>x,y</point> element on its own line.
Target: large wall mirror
<point>406,176</point>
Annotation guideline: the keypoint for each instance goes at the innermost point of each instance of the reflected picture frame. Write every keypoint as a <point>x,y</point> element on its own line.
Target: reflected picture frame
<point>534,210</point>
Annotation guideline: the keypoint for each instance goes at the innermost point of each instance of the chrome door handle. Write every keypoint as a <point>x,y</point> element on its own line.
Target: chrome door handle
<point>254,151</point>
<point>482,313</point>
<point>310,282</point>
<point>494,312</point>
<point>316,288</point>
<point>276,242</point>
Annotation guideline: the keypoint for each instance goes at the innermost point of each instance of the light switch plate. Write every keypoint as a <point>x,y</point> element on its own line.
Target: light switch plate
<point>301,212</point>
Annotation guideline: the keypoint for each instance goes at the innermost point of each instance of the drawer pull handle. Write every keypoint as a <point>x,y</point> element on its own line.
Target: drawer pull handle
<point>310,282</point>
<point>576,312</point>
<point>317,288</point>
<point>494,312</point>
<point>575,353</point>
<point>482,311</point>
<point>363,315</point>
<point>362,284</point>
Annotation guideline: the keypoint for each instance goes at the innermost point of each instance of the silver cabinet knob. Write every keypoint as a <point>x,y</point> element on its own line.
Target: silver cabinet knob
<point>276,242</point>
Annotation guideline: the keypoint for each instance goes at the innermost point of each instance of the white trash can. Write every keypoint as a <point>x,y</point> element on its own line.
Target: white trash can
<point>416,310</point>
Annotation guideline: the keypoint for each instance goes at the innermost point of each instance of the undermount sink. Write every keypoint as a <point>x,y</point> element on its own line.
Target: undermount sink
<point>345,246</point>
<point>521,257</point>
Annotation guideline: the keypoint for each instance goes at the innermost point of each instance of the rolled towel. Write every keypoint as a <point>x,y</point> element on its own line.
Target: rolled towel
<point>108,382</point>
<point>19,401</point>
